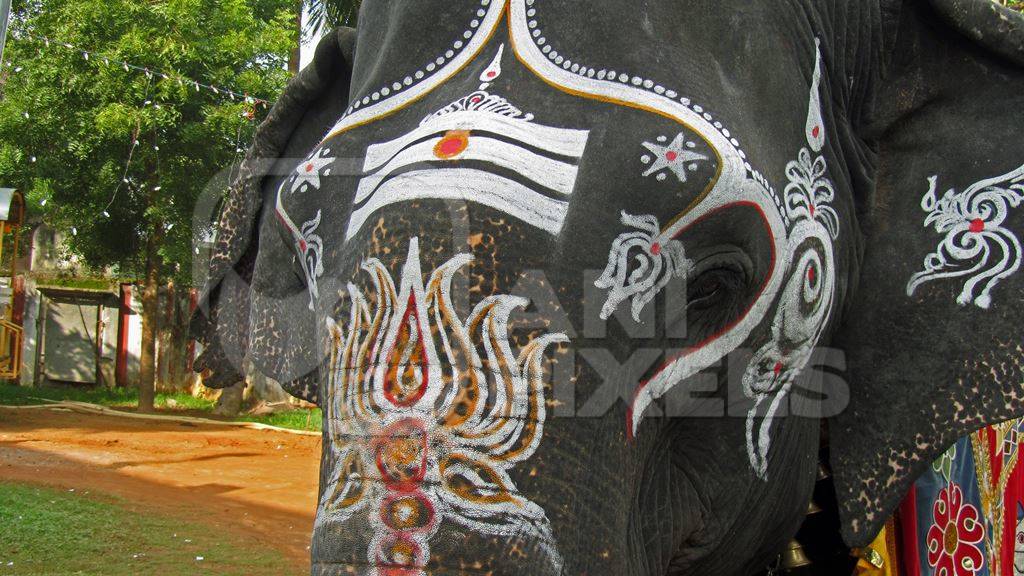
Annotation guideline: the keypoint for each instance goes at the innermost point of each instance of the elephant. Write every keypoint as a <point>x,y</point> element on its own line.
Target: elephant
<point>577,285</point>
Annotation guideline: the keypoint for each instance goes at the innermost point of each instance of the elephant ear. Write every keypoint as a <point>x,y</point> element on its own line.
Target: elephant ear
<point>236,318</point>
<point>932,332</point>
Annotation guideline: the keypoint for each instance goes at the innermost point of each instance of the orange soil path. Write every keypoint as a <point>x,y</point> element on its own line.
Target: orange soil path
<point>258,484</point>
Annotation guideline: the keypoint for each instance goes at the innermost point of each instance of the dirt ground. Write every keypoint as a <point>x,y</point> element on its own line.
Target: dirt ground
<point>259,484</point>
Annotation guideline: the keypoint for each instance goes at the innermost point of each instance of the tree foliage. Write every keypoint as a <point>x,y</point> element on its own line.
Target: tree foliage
<point>68,123</point>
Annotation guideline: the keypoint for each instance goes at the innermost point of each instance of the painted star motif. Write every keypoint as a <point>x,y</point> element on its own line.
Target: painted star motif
<point>678,157</point>
<point>309,171</point>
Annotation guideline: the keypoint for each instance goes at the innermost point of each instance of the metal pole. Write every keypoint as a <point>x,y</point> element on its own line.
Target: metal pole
<point>5,15</point>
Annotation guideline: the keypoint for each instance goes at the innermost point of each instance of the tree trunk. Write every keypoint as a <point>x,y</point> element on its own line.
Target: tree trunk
<point>164,351</point>
<point>295,56</point>
<point>150,319</point>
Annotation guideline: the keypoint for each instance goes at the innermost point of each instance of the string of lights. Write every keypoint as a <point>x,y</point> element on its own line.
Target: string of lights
<point>149,72</point>
<point>126,181</point>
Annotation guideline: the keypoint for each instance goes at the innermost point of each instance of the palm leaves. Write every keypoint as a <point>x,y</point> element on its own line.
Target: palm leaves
<point>327,14</point>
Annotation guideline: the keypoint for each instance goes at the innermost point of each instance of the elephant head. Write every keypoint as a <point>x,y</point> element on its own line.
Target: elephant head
<point>576,283</point>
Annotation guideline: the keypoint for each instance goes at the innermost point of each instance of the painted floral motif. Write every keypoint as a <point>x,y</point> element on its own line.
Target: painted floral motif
<point>676,157</point>
<point>307,174</point>
<point>640,265</point>
<point>954,537</point>
<point>482,101</point>
<point>976,244</point>
<point>428,413</point>
<point>311,246</point>
<point>809,192</point>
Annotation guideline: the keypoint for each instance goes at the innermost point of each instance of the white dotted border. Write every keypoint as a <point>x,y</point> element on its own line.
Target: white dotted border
<point>425,71</point>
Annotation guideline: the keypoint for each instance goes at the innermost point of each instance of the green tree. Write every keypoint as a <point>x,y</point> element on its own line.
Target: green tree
<point>69,125</point>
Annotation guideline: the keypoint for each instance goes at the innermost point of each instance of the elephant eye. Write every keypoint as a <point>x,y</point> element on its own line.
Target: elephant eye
<point>710,288</point>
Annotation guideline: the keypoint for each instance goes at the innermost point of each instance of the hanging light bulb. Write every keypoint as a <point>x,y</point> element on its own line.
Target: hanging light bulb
<point>106,214</point>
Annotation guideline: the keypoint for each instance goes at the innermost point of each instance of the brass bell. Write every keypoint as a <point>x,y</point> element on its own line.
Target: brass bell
<point>813,508</point>
<point>794,556</point>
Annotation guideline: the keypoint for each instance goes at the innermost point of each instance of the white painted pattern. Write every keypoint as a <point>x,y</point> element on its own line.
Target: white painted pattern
<point>468,130</point>
<point>469,185</point>
<point>492,72</point>
<point>815,122</point>
<point>485,102</point>
<point>309,246</point>
<point>676,157</point>
<point>410,459</point>
<point>560,141</point>
<point>307,174</point>
<point>734,185</point>
<point>807,299</point>
<point>640,266</point>
<point>554,174</point>
<point>976,246</point>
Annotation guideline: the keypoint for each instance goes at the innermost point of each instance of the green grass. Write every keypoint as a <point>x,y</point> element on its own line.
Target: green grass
<point>47,532</point>
<point>128,398</point>
<point>293,419</point>
<point>113,398</point>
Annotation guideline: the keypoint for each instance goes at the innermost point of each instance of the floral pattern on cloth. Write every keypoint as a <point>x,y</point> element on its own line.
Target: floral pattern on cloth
<point>955,535</point>
<point>963,516</point>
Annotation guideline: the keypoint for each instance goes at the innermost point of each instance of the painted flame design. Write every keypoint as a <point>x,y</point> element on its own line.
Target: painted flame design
<point>427,414</point>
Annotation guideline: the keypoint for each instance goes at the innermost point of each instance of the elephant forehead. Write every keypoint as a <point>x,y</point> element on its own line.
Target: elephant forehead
<point>500,119</point>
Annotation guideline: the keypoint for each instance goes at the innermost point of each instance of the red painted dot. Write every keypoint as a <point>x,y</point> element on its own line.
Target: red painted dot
<point>778,368</point>
<point>977,225</point>
<point>811,274</point>
<point>450,147</point>
<point>492,74</point>
<point>454,143</point>
<point>671,156</point>
<point>655,248</point>
<point>816,132</point>
<point>475,99</point>
<point>309,167</point>
<point>813,210</point>
<point>302,245</point>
